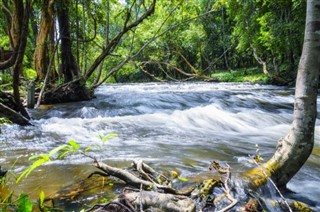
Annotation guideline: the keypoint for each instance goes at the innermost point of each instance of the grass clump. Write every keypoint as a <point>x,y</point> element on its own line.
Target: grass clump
<point>253,75</point>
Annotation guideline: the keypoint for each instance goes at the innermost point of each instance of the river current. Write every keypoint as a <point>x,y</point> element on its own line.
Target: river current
<point>182,126</point>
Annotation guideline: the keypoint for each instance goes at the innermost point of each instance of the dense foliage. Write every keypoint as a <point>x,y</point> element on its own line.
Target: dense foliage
<point>180,40</point>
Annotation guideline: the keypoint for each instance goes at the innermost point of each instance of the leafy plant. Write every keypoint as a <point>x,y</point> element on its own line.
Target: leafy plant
<point>107,137</point>
<point>59,153</point>
<point>56,153</point>
<point>24,204</point>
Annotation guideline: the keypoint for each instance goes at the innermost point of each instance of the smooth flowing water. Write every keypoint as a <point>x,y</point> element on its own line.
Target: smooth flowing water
<point>182,126</point>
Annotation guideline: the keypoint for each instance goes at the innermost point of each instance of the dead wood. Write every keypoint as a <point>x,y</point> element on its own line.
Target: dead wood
<point>148,201</point>
<point>137,182</point>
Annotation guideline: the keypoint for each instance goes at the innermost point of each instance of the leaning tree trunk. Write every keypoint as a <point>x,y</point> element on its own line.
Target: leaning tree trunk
<point>69,66</point>
<point>293,150</point>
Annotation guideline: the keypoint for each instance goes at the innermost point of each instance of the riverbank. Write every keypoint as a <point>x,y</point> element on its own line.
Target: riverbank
<point>252,75</point>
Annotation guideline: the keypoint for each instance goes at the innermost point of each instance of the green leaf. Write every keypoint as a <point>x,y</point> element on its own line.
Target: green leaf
<point>41,199</point>
<point>63,154</point>
<point>57,149</point>
<point>35,165</point>
<point>33,157</point>
<point>105,138</point>
<point>183,179</point>
<point>88,148</point>
<point>24,204</point>
<point>74,144</point>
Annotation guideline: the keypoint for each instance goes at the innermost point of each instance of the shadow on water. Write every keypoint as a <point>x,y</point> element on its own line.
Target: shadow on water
<point>171,126</point>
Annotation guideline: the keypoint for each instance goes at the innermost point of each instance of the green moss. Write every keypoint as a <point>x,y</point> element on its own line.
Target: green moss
<point>298,206</point>
<point>259,175</point>
<point>253,75</point>
<point>316,152</point>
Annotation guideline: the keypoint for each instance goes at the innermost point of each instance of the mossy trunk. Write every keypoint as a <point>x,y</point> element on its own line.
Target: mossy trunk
<point>293,150</point>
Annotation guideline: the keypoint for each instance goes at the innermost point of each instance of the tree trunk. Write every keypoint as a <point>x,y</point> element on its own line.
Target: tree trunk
<point>69,66</point>
<point>293,150</point>
<point>19,35</point>
<point>40,55</point>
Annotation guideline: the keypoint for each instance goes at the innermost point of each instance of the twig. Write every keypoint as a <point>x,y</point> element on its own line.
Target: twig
<point>225,170</point>
<point>46,79</point>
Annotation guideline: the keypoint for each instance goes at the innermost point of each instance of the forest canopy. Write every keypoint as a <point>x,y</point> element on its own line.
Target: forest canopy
<point>176,40</point>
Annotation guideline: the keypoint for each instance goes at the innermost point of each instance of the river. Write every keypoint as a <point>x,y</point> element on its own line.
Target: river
<point>181,126</point>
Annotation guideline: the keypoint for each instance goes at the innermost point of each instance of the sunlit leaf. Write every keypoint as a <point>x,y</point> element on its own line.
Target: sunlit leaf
<point>105,138</point>
<point>64,153</point>
<point>57,149</point>
<point>88,148</point>
<point>74,144</point>
<point>41,199</point>
<point>174,174</point>
<point>35,165</point>
<point>33,157</point>
<point>183,179</point>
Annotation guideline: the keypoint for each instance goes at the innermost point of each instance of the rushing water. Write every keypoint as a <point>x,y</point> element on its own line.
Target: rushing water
<point>179,126</point>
